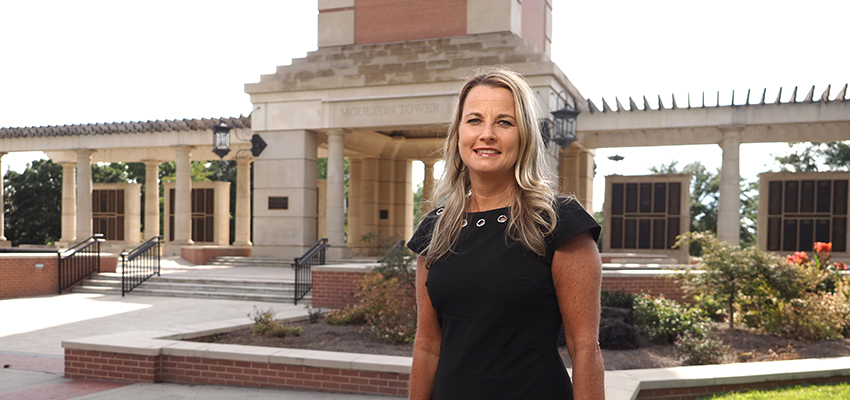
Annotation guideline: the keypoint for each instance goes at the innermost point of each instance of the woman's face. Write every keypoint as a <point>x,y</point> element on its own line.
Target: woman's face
<point>489,132</point>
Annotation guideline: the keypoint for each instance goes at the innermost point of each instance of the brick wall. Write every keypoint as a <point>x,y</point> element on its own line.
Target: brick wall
<point>534,22</point>
<point>671,288</point>
<point>21,278</point>
<point>384,21</point>
<point>108,262</point>
<point>81,364</point>
<point>203,255</point>
<point>335,289</point>
<point>707,391</point>
<point>84,364</point>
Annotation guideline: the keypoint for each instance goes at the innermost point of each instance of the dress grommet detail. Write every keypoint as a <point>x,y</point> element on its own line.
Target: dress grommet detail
<point>463,224</point>
<point>480,222</point>
<point>440,211</point>
<point>502,219</point>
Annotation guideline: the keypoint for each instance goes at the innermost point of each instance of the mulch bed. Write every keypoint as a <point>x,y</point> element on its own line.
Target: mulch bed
<point>745,346</point>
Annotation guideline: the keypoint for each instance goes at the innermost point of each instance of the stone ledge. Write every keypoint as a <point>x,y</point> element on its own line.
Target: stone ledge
<point>356,268</point>
<point>620,385</point>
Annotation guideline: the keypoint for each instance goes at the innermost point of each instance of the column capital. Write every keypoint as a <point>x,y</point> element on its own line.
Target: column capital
<point>152,162</point>
<point>244,160</point>
<point>85,152</point>
<point>731,128</point>
<point>68,164</point>
<point>182,148</point>
<point>429,162</point>
<point>336,132</point>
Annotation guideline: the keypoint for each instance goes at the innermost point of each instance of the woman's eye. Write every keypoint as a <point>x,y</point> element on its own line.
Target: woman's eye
<point>473,121</point>
<point>506,123</point>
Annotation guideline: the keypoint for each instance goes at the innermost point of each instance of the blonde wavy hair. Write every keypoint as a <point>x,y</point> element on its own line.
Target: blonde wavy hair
<point>533,215</point>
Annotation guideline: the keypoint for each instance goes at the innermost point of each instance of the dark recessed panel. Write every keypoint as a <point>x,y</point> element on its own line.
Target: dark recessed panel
<point>824,197</point>
<point>119,199</point>
<point>672,231</point>
<point>385,214</point>
<point>774,234</point>
<point>659,239</point>
<point>839,203</point>
<point>278,203</point>
<point>646,198</point>
<point>171,227</point>
<point>630,237</point>
<point>617,199</point>
<point>171,204</point>
<point>774,198</point>
<point>839,234</point>
<point>631,197</point>
<point>807,234</point>
<point>791,193</point>
<point>209,224</point>
<point>659,204</point>
<point>822,230</point>
<point>616,234</point>
<point>789,235</point>
<point>645,233</point>
<point>675,198</point>
<point>210,201</point>
<point>807,196</point>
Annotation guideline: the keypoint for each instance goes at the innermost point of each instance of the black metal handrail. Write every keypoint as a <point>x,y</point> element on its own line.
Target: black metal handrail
<point>139,264</point>
<point>80,261</point>
<point>315,255</point>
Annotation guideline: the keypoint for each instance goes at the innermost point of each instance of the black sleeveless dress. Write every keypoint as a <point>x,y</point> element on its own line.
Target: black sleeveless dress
<point>497,307</point>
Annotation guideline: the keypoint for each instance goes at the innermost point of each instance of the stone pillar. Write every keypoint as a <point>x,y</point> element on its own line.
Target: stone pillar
<point>84,213</point>
<point>335,213</point>
<point>151,199</point>
<point>243,202</point>
<point>370,206</point>
<point>355,203</point>
<point>729,203</point>
<point>428,186</point>
<point>3,241</point>
<point>69,204</point>
<point>576,174</point>
<point>183,197</point>
<point>403,203</point>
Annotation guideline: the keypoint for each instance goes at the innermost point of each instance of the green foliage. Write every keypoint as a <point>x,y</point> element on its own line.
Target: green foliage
<point>618,298</point>
<point>389,309</point>
<point>814,316</point>
<point>314,315</point>
<point>662,321</point>
<point>696,349</point>
<point>264,324</point>
<point>812,157</point>
<point>814,392</point>
<point>33,204</point>
<point>618,335</point>
<point>350,315</point>
<point>417,204</point>
<point>399,263</point>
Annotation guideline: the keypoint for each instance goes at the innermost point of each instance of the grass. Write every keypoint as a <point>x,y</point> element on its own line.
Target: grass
<point>815,392</point>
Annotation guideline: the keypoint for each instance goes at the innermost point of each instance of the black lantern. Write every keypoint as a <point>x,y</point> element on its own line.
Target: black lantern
<point>221,139</point>
<point>565,126</point>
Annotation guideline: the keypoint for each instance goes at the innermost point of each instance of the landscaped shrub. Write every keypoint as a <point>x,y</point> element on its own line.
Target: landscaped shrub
<point>815,316</point>
<point>699,349</point>
<point>662,321</point>
<point>615,334</point>
<point>617,298</point>
<point>264,324</point>
<point>350,315</point>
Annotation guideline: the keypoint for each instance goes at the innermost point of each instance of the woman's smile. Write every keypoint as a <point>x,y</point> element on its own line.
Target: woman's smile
<point>489,132</point>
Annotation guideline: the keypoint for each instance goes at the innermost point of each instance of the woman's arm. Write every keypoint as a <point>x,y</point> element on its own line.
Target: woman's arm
<point>426,347</point>
<point>577,274</point>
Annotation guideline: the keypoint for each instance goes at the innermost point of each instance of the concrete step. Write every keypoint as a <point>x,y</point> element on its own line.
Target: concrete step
<point>144,291</point>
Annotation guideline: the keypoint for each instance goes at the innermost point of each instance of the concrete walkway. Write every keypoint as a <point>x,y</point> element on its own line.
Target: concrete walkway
<point>32,330</point>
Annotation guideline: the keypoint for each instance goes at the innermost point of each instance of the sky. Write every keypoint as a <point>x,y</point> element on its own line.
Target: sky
<point>85,61</point>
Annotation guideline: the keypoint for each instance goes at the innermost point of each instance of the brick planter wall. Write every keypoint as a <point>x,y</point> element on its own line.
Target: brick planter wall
<point>336,286</point>
<point>108,262</point>
<point>656,285</point>
<point>85,364</point>
<point>22,279</point>
<point>200,255</point>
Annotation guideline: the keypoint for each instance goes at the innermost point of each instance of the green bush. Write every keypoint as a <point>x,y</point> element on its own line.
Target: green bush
<point>662,321</point>
<point>264,324</point>
<point>815,316</point>
<point>699,349</point>
<point>618,335</point>
<point>350,315</point>
<point>617,298</point>
<point>389,309</point>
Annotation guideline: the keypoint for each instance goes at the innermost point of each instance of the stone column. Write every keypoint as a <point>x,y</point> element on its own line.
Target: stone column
<point>428,186</point>
<point>84,213</point>
<point>336,188</point>
<point>243,202</point>
<point>729,203</point>
<point>151,199</point>
<point>403,202</point>
<point>576,174</point>
<point>183,197</point>
<point>355,203</point>
<point>3,241</point>
<point>69,204</point>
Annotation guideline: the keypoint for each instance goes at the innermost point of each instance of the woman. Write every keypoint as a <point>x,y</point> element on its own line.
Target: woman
<point>503,261</point>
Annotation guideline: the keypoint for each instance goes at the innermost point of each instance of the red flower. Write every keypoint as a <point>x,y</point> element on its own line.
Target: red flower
<point>801,256</point>
<point>840,265</point>
<point>821,247</point>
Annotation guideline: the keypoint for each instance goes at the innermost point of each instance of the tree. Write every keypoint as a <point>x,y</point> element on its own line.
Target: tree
<point>812,157</point>
<point>33,204</point>
<point>417,205</point>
